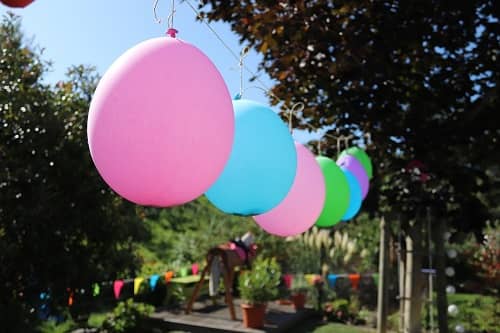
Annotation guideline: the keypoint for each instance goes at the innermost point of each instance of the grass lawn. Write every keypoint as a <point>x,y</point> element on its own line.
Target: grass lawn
<point>314,326</point>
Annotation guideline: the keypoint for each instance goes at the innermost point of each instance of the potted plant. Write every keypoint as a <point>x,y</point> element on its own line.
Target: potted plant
<point>299,290</point>
<point>257,287</point>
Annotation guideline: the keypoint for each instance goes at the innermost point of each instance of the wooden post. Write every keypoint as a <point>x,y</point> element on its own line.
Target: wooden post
<point>401,276</point>
<point>383,265</point>
<point>442,302</point>
<point>197,288</point>
<point>228,275</point>
<point>414,281</point>
<point>229,297</point>
<point>430,299</point>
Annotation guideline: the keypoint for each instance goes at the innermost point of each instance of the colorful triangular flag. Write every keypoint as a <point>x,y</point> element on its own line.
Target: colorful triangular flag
<point>168,276</point>
<point>332,279</point>
<point>137,284</point>
<point>117,288</point>
<point>96,289</point>
<point>153,280</point>
<point>184,272</point>
<point>287,279</point>
<point>195,268</point>
<point>355,278</point>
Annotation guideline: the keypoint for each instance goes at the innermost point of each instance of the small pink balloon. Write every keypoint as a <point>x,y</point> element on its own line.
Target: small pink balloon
<point>161,123</point>
<point>303,204</point>
<point>350,163</point>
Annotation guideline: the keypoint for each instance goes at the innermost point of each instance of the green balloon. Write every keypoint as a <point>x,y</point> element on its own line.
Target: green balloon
<point>337,193</point>
<point>362,157</point>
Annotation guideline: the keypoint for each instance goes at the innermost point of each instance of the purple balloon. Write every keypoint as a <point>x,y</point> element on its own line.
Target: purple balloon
<point>356,168</point>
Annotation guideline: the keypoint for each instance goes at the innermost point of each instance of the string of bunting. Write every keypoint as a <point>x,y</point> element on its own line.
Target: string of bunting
<point>332,279</point>
<point>138,282</point>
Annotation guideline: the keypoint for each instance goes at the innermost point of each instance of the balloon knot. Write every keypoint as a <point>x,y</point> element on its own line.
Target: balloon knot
<point>237,96</point>
<point>172,32</point>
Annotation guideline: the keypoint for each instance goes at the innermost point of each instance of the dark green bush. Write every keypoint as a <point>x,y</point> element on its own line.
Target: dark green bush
<point>128,317</point>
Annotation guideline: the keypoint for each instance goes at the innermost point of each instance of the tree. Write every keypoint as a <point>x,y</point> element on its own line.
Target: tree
<point>419,76</point>
<point>60,225</point>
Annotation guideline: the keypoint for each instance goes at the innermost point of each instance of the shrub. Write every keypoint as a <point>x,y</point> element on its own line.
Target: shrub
<point>477,313</point>
<point>299,284</point>
<point>127,317</point>
<point>260,284</point>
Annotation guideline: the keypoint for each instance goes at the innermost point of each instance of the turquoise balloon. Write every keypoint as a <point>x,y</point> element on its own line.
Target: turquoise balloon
<point>355,196</point>
<point>262,165</point>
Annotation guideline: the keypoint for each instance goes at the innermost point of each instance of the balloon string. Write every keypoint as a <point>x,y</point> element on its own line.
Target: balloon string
<point>171,16</point>
<point>243,55</point>
<point>297,107</point>
<point>170,19</point>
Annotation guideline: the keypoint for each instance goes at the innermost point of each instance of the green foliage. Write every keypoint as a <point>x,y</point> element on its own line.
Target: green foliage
<point>127,317</point>
<point>260,284</point>
<point>339,328</point>
<point>477,313</point>
<point>299,284</point>
<point>303,258</point>
<point>337,310</point>
<point>51,326</point>
<point>60,224</point>
<point>420,78</point>
<point>341,251</point>
<point>477,259</point>
<point>182,235</point>
<point>97,319</point>
<point>366,232</point>
<point>343,310</point>
<point>177,295</point>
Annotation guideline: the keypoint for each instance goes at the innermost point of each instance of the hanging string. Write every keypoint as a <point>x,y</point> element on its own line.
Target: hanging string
<point>297,107</point>
<point>346,141</point>
<point>243,55</point>
<point>155,7</point>
<point>263,87</point>
<point>234,54</point>
<point>368,137</point>
<point>171,16</point>
<point>170,20</point>
<point>339,139</point>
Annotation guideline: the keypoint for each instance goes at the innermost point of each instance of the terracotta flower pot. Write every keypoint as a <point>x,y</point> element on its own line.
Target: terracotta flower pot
<point>299,300</point>
<point>253,315</point>
<point>16,3</point>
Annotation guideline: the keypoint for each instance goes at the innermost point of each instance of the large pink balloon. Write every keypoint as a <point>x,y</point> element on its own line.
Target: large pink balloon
<point>303,204</point>
<point>161,123</point>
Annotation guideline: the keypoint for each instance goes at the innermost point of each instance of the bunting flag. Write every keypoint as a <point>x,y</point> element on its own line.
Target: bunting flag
<point>153,280</point>
<point>117,288</point>
<point>332,279</point>
<point>184,272</point>
<point>287,279</point>
<point>311,278</point>
<point>375,278</point>
<point>355,278</point>
<point>168,276</point>
<point>96,289</point>
<point>195,268</point>
<point>137,284</point>
<point>70,297</point>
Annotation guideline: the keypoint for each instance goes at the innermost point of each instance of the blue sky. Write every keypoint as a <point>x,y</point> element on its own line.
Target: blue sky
<point>96,32</point>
